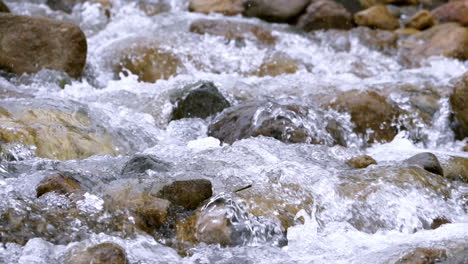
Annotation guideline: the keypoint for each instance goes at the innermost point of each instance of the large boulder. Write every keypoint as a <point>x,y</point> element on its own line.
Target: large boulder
<point>459,104</point>
<point>376,17</point>
<point>188,194</point>
<point>275,10</point>
<point>105,253</point>
<point>199,100</point>
<point>4,8</point>
<point>226,7</point>
<point>325,14</point>
<point>30,44</point>
<point>454,11</point>
<point>233,30</point>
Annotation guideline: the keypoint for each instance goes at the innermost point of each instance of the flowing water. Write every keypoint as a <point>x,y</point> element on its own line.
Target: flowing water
<point>357,216</point>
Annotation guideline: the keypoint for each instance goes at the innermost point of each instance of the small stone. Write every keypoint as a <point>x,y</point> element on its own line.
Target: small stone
<point>465,148</point>
<point>58,183</point>
<point>376,17</point>
<point>105,253</point>
<point>188,194</point>
<point>437,222</point>
<point>226,7</point>
<point>4,8</point>
<point>325,14</point>
<point>454,11</point>
<point>361,162</point>
<point>421,20</point>
<point>423,256</point>
<point>275,10</point>
<point>142,163</point>
<point>427,161</point>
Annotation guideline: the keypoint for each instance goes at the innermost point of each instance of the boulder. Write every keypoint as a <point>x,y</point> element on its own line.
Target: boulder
<point>42,44</point>
<point>325,14</point>
<point>454,11</point>
<point>423,256</point>
<point>141,163</point>
<point>233,30</point>
<point>459,104</point>
<point>376,17</point>
<point>421,20</point>
<point>275,10</point>
<point>104,253</point>
<point>226,7</point>
<point>4,8</point>
<point>276,64</point>
<point>58,183</point>
<point>427,161</point>
<point>200,100</point>
<point>188,194</point>
<point>369,111</point>
<point>361,162</point>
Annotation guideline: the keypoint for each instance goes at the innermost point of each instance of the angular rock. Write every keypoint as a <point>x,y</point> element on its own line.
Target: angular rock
<point>226,7</point>
<point>421,20</point>
<point>459,104</point>
<point>58,183</point>
<point>142,163</point>
<point>454,11</point>
<point>199,100</point>
<point>188,194</point>
<point>361,162</point>
<point>376,17</point>
<point>4,8</point>
<point>427,161</point>
<point>423,256</point>
<point>233,30</point>
<point>275,10</point>
<point>104,253</point>
<point>325,14</point>
<point>42,44</point>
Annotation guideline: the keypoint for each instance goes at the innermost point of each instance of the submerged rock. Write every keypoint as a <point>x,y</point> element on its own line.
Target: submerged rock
<point>42,44</point>
<point>274,10</point>
<point>105,253</point>
<point>188,194</point>
<point>376,17</point>
<point>4,8</point>
<point>277,64</point>
<point>427,161</point>
<point>423,256</point>
<point>226,7</point>
<point>376,39</point>
<point>142,163</point>
<point>58,183</point>
<point>459,104</point>
<point>421,20</point>
<point>361,162</point>
<point>438,222</point>
<point>325,14</point>
<point>201,100</point>
<point>233,30</point>
<point>453,11</point>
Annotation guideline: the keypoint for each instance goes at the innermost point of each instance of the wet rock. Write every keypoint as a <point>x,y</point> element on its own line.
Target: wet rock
<point>42,44</point>
<point>275,10</point>
<point>369,110</point>
<point>63,5</point>
<point>54,134</point>
<point>153,7</point>
<point>142,163</point>
<point>226,7</point>
<point>376,17</point>
<point>199,100</point>
<point>438,222</point>
<point>377,39</point>
<point>369,3</point>
<point>352,6</point>
<point>459,104</point>
<point>465,148</point>
<point>105,253</point>
<point>361,162</point>
<point>454,11</point>
<point>421,20</point>
<point>456,168</point>
<point>188,194</point>
<point>277,64</point>
<point>325,14</point>
<point>149,62</point>
<point>423,256</point>
<point>233,30</point>
<point>4,8</point>
<point>427,161</point>
<point>58,183</point>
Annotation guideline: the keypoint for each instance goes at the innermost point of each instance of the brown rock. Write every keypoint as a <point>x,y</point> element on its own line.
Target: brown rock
<point>325,14</point>
<point>438,222</point>
<point>188,194</point>
<point>352,6</point>
<point>456,168</point>
<point>42,44</point>
<point>465,148</point>
<point>58,183</point>
<point>4,8</point>
<point>105,253</point>
<point>275,10</point>
<point>369,3</point>
<point>377,39</point>
<point>232,30</point>
<point>361,162</point>
<point>277,64</point>
<point>421,20</point>
<point>455,11</point>
<point>226,7</point>
<point>405,32</point>
<point>459,104</point>
<point>423,256</point>
<point>376,17</point>
<point>369,110</point>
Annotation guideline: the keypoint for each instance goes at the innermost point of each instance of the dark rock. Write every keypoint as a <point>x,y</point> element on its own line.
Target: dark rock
<point>226,7</point>
<point>200,100</point>
<point>361,162</point>
<point>58,183</point>
<point>188,194</point>
<point>421,20</point>
<point>232,30</point>
<point>42,44</point>
<point>427,161</point>
<point>454,11</point>
<point>105,253</point>
<point>459,104</point>
<point>62,5</point>
<point>423,256</point>
<point>436,223</point>
<point>4,8</point>
<point>352,6</point>
<point>275,10</point>
<point>325,14</point>
<point>142,163</point>
<point>376,17</point>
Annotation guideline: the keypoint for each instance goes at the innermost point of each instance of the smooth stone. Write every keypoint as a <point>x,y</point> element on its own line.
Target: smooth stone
<point>361,162</point>
<point>226,7</point>
<point>325,14</point>
<point>427,161</point>
<point>376,17</point>
<point>142,163</point>
<point>188,194</point>
<point>274,10</point>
